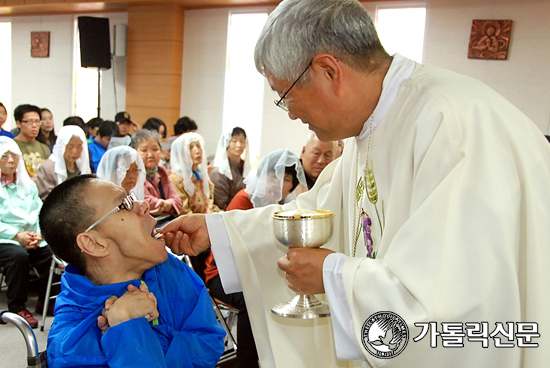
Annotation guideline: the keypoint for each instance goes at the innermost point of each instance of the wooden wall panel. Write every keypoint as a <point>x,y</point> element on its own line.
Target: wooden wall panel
<point>154,60</point>
<point>15,2</point>
<point>153,90</point>
<point>169,63</point>
<point>34,2</point>
<point>157,22</point>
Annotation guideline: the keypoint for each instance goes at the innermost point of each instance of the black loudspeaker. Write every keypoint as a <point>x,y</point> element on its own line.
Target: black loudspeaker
<point>95,42</point>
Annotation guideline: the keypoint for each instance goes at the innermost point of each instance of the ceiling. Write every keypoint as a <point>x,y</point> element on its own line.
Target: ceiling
<point>42,7</point>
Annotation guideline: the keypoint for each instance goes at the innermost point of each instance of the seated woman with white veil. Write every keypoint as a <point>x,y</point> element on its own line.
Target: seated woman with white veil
<point>21,243</point>
<point>229,167</point>
<point>69,158</point>
<point>123,166</point>
<point>190,175</point>
<point>277,176</point>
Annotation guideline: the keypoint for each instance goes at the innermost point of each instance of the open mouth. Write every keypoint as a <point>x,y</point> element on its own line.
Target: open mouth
<point>156,235</point>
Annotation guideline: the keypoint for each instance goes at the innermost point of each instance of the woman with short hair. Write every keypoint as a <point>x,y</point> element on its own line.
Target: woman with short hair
<point>157,125</point>
<point>159,190</point>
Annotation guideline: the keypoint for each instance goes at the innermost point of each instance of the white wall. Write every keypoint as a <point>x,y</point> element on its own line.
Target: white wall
<point>524,78</point>
<point>204,62</point>
<point>48,82</point>
<point>203,71</point>
<point>45,82</point>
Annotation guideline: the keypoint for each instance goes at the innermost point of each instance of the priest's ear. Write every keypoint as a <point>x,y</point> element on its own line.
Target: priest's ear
<point>92,244</point>
<point>328,64</point>
<point>329,68</point>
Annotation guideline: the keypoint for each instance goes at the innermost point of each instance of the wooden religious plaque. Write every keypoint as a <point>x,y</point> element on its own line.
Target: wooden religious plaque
<point>40,44</point>
<point>489,39</point>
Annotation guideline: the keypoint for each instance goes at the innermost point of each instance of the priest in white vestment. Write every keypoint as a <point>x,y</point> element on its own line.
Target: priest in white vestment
<point>441,207</point>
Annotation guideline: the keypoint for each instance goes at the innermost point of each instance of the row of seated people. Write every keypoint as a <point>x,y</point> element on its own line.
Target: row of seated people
<point>36,137</point>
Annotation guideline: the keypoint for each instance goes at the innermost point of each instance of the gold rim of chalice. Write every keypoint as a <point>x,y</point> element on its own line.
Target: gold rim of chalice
<point>302,214</point>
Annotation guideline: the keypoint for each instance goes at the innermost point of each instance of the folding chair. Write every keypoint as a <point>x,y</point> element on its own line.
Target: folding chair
<point>34,358</point>
<point>2,286</point>
<point>57,267</point>
<point>225,313</point>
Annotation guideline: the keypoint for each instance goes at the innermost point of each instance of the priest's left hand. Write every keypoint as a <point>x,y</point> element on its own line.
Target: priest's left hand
<point>303,269</point>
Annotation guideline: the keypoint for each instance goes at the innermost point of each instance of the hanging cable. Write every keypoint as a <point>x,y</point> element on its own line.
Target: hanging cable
<point>114,81</point>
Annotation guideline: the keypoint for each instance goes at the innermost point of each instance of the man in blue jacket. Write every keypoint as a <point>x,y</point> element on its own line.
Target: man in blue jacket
<point>124,301</point>
<point>99,144</point>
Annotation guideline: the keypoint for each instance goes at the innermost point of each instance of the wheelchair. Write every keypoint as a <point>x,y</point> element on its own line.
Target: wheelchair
<point>35,359</point>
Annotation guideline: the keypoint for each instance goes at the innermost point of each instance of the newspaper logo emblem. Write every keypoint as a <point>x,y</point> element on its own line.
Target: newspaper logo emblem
<point>385,335</point>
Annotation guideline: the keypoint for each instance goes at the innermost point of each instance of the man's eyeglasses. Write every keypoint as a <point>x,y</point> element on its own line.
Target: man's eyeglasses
<point>127,204</point>
<point>281,102</point>
<point>32,122</point>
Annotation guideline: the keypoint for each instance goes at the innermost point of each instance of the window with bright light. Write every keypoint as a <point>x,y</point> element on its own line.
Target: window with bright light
<point>5,72</point>
<point>244,86</point>
<point>85,84</point>
<point>401,30</point>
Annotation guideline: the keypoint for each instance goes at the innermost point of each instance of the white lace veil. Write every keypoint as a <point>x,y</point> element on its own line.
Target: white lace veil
<point>221,161</point>
<point>23,181</point>
<point>181,162</point>
<point>115,163</point>
<point>265,184</point>
<point>63,137</point>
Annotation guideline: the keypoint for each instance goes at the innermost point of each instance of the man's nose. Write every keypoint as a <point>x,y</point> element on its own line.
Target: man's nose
<point>322,159</point>
<point>291,116</point>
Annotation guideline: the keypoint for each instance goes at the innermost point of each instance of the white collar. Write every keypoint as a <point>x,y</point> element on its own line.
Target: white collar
<point>400,69</point>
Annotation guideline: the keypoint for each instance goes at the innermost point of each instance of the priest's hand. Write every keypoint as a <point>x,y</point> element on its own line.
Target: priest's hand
<point>187,234</point>
<point>303,269</point>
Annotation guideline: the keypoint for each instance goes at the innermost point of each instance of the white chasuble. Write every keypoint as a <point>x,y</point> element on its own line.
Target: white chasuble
<point>466,208</point>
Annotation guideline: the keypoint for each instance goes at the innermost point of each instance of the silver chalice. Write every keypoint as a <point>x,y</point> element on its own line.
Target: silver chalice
<point>298,229</point>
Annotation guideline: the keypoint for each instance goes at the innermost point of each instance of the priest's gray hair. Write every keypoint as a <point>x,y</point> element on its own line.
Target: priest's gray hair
<point>297,30</point>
